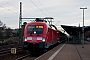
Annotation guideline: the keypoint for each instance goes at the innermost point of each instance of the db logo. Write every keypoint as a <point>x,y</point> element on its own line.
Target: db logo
<point>33,38</point>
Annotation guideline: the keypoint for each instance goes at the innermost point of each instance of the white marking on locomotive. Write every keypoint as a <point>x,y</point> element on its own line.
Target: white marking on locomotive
<point>34,38</point>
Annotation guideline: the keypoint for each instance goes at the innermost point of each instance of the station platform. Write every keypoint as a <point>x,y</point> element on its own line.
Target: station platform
<point>68,52</point>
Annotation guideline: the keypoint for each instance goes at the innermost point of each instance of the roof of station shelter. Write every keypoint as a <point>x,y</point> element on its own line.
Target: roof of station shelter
<point>74,29</point>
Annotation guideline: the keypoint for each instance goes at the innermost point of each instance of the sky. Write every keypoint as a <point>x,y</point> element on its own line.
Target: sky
<point>64,12</point>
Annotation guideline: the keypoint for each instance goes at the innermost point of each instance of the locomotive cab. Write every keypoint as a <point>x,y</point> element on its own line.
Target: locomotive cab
<point>35,35</point>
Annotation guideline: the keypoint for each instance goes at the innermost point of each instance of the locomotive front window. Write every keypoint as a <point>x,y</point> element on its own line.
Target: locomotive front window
<point>35,29</point>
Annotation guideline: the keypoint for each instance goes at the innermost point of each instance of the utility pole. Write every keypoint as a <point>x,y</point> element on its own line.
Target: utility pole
<point>20,23</point>
<point>20,20</point>
<point>83,28</point>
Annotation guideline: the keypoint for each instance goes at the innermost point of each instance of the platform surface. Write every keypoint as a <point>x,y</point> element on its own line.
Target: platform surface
<point>68,52</point>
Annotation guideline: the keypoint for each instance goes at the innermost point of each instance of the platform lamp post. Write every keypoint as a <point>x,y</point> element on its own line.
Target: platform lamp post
<point>83,28</point>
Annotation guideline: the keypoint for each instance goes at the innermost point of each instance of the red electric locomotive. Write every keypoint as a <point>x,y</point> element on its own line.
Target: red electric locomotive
<point>39,35</point>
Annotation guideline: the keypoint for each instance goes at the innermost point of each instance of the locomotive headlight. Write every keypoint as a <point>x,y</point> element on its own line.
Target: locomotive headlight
<point>43,39</point>
<point>34,32</point>
<point>25,39</point>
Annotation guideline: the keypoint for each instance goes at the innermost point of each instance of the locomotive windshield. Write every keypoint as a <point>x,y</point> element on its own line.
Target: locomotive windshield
<point>35,29</point>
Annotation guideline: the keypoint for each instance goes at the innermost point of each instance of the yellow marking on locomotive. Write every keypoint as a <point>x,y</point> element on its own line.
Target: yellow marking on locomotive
<point>36,26</point>
<point>40,26</point>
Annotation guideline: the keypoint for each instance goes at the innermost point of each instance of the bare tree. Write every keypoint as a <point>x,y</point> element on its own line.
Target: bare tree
<point>4,26</point>
<point>1,23</point>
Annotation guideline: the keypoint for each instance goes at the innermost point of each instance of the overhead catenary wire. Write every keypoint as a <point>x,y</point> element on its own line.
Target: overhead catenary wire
<point>12,6</point>
<point>29,8</point>
<point>44,7</point>
<point>8,10</point>
<point>9,4</point>
<point>39,8</point>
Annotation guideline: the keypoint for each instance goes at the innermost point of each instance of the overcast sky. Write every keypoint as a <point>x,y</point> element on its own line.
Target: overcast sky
<point>68,12</point>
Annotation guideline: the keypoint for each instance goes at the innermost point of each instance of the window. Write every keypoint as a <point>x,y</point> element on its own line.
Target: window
<point>35,29</point>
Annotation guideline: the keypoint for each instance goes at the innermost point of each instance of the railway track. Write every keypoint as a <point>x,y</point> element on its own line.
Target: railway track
<point>7,49</point>
<point>13,56</point>
<point>20,55</point>
<point>20,58</point>
<point>5,52</point>
<point>31,57</point>
<point>26,57</point>
<point>12,45</point>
